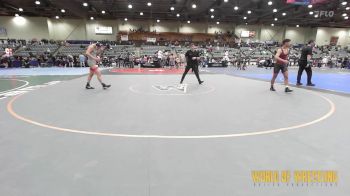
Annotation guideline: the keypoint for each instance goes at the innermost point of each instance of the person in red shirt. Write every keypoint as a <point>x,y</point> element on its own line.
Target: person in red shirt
<point>281,64</point>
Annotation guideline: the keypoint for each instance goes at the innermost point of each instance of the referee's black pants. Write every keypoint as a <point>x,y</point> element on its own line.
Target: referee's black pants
<point>194,69</point>
<point>303,66</point>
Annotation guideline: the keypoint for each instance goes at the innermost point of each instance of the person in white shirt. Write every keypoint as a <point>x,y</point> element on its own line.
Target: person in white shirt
<point>82,60</point>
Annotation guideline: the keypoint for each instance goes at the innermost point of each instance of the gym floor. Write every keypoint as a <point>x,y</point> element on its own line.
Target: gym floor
<point>148,136</point>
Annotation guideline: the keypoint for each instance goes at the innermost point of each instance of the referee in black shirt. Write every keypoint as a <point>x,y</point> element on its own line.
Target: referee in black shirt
<point>305,63</point>
<point>192,58</point>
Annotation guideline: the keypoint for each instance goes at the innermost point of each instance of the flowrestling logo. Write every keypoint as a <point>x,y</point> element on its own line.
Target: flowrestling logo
<point>20,91</point>
<point>181,87</point>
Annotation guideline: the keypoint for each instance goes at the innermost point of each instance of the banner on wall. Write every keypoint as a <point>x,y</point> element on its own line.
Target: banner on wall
<point>3,32</point>
<point>244,34</point>
<point>104,30</point>
<point>151,39</point>
<point>248,34</point>
<point>306,2</point>
<point>124,37</point>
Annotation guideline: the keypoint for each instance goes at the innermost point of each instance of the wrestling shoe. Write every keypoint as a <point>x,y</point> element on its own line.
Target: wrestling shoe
<point>272,88</point>
<point>105,86</point>
<point>89,87</point>
<point>287,90</point>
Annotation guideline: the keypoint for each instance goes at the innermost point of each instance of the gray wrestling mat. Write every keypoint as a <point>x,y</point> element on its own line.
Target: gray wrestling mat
<point>149,136</point>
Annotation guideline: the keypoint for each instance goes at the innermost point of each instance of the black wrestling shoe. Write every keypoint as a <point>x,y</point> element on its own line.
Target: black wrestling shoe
<point>201,82</point>
<point>105,86</point>
<point>299,83</point>
<point>310,84</point>
<point>287,90</point>
<point>272,88</point>
<point>89,87</point>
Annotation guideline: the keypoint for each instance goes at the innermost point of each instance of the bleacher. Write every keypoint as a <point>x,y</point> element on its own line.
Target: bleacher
<point>121,50</point>
<point>151,50</point>
<point>36,49</point>
<point>181,50</point>
<point>72,49</point>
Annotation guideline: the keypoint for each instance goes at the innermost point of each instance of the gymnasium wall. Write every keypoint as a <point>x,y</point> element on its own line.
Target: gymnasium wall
<point>78,29</point>
<point>193,28</point>
<point>240,28</point>
<point>136,24</point>
<point>164,26</point>
<point>300,35</point>
<point>223,27</point>
<point>324,35</point>
<point>272,33</point>
<point>90,29</point>
<point>24,27</point>
<point>66,29</point>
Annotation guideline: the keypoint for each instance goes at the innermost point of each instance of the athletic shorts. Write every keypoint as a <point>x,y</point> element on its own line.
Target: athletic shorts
<point>279,67</point>
<point>91,63</point>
